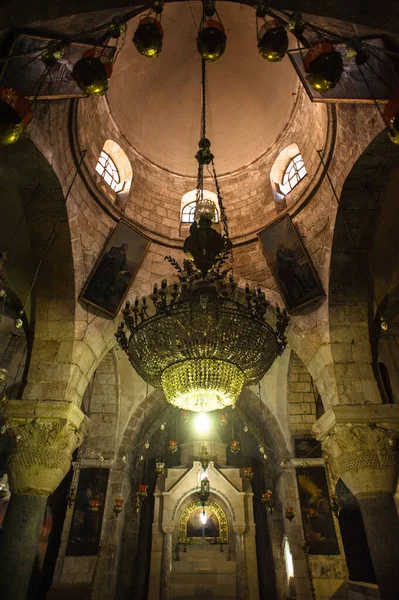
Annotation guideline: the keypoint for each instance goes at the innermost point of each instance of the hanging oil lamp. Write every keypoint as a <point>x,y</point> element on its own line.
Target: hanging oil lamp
<point>118,505</point>
<point>261,9</point>
<point>173,446</point>
<point>141,494</point>
<point>116,28</point>
<point>267,500</point>
<point>92,71</point>
<point>53,53</point>
<point>15,114</point>
<point>149,35</point>
<point>204,492</point>
<point>323,66</point>
<point>209,7</point>
<point>273,41</point>
<point>211,40</point>
<point>391,117</point>
<point>235,447</point>
<point>289,513</point>
<point>296,25</point>
<point>94,504</point>
<point>159,468</point>
<point>185,415</point>
<point>204,458</point>
<point>223,419</point>
<point>248,473</point>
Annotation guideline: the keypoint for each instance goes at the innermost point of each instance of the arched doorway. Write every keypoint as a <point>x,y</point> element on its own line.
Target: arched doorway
<point>200,523</point>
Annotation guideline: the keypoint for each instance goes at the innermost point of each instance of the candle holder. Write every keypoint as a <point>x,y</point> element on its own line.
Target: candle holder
<point>118,505</point>
<point>140,495</point>
<point>248,473</point>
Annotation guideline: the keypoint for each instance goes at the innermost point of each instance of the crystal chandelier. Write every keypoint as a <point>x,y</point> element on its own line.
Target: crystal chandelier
<point>203,339</point>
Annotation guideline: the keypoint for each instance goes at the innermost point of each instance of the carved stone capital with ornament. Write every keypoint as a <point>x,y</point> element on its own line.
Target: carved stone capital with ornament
<point>44,436</point>
<point>361,443</point>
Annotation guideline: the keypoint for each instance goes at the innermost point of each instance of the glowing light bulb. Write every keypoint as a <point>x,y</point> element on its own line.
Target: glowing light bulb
<point>203,518</point>
<point>202,423</point>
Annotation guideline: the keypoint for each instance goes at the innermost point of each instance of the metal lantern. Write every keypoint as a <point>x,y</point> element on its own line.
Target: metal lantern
<point>204,492</point>
<point>248,473</point>
<point>173,446</point>
<point>235,447</point>
<point>118,505</point>
<point>15,114</point>
<point>273,41</point>
<point>94,504</point>
<point>223,419</point>
<point>391,117</point>
<point>267,500</point>
<point>211,40</point>
<point>91,74</point>
<point>52,54</point>
<point>148,37</point>
<point>289,513</point>
<point>323,66</point>
<point>296,24</point>
<point>159,468</point>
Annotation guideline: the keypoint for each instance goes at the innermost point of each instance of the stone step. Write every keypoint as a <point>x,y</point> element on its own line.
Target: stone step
<point>203,590</point>
<point>203,566</point>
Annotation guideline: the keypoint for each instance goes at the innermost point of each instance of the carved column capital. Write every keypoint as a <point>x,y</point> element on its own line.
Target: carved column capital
<point>44,436</point>
<point>362,444</point>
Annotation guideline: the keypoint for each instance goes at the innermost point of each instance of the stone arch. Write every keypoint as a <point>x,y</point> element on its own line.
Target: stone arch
<point>351,289</point>
<point>52,303</point>
<point>212,505</point>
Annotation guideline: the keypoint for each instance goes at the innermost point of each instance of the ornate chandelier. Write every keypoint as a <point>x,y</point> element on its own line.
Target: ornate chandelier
<point>203,339</point>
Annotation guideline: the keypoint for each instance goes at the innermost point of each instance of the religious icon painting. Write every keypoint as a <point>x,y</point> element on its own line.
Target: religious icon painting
<point>115,269</point>
<point>290,264</point>
<point>317,518</point>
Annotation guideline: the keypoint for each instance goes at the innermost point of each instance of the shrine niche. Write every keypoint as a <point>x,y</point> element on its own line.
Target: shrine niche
<point>193,528</point>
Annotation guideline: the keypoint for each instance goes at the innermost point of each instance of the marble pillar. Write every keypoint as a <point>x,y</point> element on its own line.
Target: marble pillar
<point>361,443</point>
<point>167,557</point>
<point>242,589</point>
<point>44,436</point>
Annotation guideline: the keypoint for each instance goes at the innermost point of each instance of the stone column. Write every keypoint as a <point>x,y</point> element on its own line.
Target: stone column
<point>44,436</point>
<point>361,442</point>
<point>242,589</point>
<point>167,562</point>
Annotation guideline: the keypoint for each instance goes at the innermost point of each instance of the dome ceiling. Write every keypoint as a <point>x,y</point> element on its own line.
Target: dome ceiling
<point>156,102</point>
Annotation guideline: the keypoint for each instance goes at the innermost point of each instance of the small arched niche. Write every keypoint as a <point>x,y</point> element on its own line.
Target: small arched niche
<point>286,174</point>
<point>198,522</point>
<point>114,171</point>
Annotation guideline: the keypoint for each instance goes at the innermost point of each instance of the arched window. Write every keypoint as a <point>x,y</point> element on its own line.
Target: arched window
<point>287,172</point>
<point>294,172</point>
<point>188,205</point>
<point>114,167</point>
<point>106,168</point>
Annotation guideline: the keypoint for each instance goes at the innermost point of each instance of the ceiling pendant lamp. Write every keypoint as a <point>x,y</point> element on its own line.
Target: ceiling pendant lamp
<point>148,37</point>
<point>273,41</point>
<point>211,40</point>
<point>92,71</point>
<point>323,66</point>
<point>15,114</point>
<point>203,339</point>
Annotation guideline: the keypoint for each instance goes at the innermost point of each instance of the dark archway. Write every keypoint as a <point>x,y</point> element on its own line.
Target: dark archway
<point>352,290</point>
<point>353,535</point>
